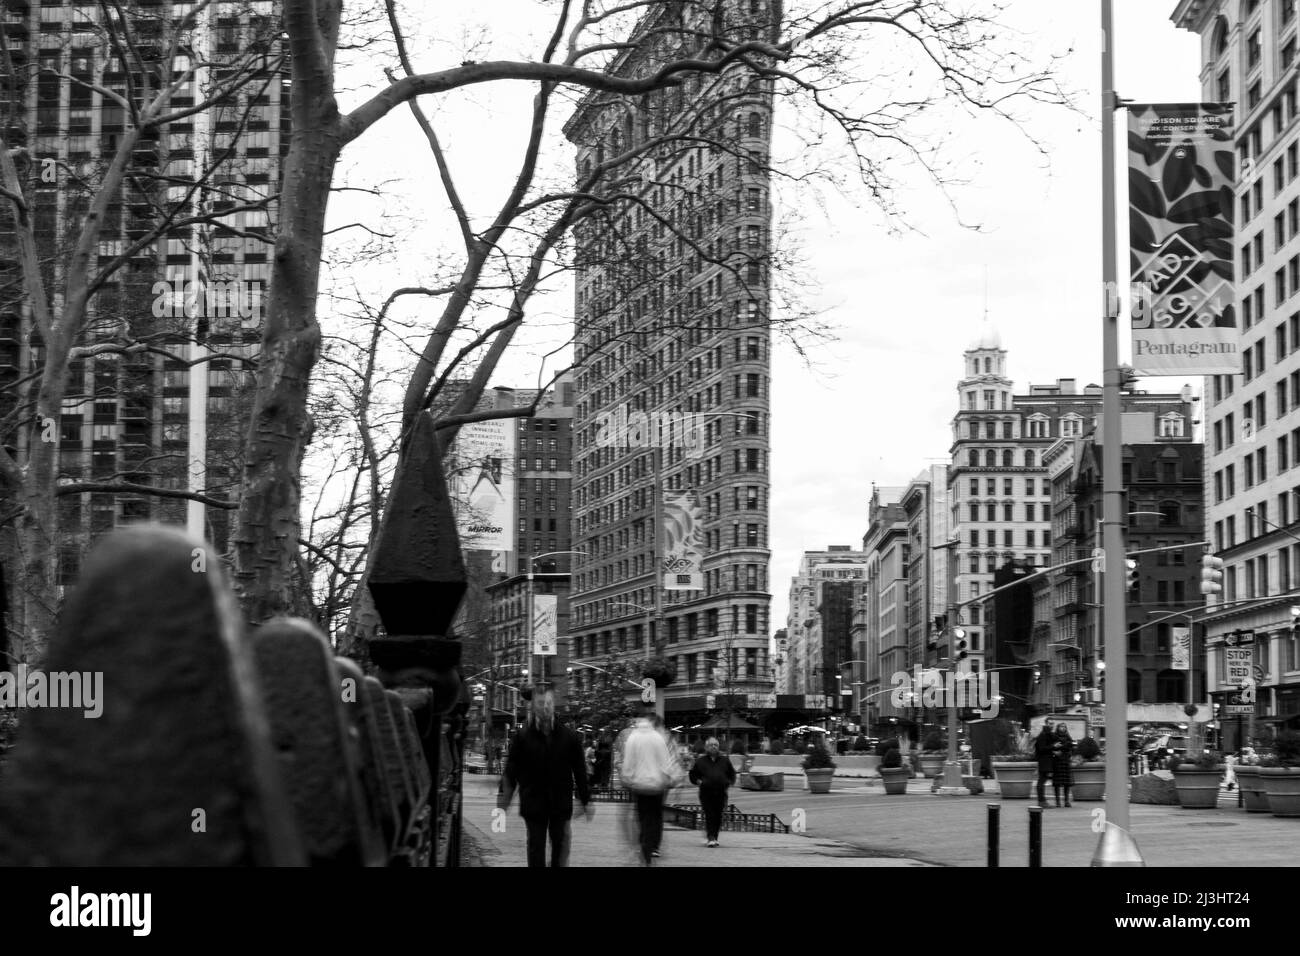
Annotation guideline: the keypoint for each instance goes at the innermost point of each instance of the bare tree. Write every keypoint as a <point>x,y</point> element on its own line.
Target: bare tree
<point>86,292</point>
<point>807,55</point>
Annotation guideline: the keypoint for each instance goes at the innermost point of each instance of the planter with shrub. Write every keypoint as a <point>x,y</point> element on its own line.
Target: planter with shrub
<point>1089,774</point>
<point>934,752</point>
<point>819,768</point>
<point>1197,779</point>
<point>1016,771</point>
<point>892,771</point>
<point>1280,779</point>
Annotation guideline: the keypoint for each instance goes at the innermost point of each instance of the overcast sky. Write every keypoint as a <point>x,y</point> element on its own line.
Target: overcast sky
<point>873,405</point>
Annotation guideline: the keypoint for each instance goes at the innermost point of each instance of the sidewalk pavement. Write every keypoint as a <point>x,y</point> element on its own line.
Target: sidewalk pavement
<point>607,839</point>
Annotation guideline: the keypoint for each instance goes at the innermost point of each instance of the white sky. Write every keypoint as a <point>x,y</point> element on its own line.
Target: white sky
<point>875,404</point>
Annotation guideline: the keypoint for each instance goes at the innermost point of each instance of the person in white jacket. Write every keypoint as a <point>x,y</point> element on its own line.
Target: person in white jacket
<point>649,769</point>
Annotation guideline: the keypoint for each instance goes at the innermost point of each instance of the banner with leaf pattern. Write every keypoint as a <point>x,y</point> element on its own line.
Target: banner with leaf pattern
<point>1180,186</point>
<point>683,542</point>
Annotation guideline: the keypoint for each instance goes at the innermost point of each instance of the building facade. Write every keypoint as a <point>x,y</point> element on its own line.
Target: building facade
<point>1248,57</point>
<point>673,371</point>
<point>811,654</point>
<point>1164,533</point>
<point>171,421</point>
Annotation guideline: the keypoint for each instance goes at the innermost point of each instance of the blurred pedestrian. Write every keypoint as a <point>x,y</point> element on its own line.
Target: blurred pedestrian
<point>604,761</point>
<point>1062,773</point>
<point>589,756</point>
<point>1043,745</point>
<point>649,770</point>
<point>715,774</point>
<point>546,764</point>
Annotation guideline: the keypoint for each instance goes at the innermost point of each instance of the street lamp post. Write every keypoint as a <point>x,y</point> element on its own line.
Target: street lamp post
<point>539,673</point>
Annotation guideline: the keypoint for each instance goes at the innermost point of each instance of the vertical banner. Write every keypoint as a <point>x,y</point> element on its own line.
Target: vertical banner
<point>1180,194</point>
<point>545,624</point>
<point>1181,651</point>
<point>483,485</point>
<point>683,539</point>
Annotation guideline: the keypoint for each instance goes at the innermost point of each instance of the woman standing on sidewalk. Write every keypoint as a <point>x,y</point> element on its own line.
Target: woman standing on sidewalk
<point>1062,775</point>
<point>715,774</point>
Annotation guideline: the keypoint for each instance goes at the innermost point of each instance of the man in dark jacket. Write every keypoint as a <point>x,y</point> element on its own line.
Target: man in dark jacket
<point>714,773</point>
<point>545,763</point>
<point>1044,745</point>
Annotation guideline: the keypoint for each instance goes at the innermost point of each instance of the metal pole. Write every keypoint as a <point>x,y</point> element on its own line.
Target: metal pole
<point>994,833</point>
<point>659,642</point>
<point>1116,846</point>
<point>1035,837</point>
<point>528,634</point>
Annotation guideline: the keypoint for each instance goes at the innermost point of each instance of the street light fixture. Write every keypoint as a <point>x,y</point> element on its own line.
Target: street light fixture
<point>540,672</point>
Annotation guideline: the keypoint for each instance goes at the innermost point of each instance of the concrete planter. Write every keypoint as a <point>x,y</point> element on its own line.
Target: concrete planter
<point>1015,779</point>
<point>1089,782</point>
<point>1198,789</point>
<point>1282,785</point>
<point>1251,785</point>
<point>895,779</point>
<point>819,780</point>
<point>932,764</point>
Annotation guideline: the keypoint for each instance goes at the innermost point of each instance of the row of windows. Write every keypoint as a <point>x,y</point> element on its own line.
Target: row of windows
<point>991,458</point>
<point>991,488</point>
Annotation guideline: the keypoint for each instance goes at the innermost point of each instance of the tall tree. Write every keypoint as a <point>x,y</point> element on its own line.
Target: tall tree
<point>808,55</point>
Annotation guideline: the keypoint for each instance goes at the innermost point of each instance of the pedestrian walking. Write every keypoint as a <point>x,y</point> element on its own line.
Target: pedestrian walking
<point>589,756</point>
<point>604,762</point>
<point>1043,745</point>
<point>546,765</point>
<point>714,774</point>
<point>1062,774</point>
<point>649,770</point>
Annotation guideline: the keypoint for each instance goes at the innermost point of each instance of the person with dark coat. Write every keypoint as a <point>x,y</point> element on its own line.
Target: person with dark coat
<point>604,762</point>
<point>1062,751</point>
<point>714,773</point>
<point>1043,750</point>
<point>546,763</point>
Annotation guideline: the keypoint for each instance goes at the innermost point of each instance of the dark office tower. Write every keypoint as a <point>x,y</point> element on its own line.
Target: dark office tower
<point>160,414</point>
<point>672,355</point>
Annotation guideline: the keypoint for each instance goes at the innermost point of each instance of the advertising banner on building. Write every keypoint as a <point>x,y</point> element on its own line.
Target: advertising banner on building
<point>482,485</point>
<point>683,541</point>
<point>1181,651</point>
<point>1180,188</point>
<point>546,631</point>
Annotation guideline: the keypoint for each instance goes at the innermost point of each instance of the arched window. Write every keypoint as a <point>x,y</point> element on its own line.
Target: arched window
<point>1006,458</point>
<point>1219,41</point>
<point>1029,459</point>
<point>1171,687</point>
<point>991,458</point>
<point>1171,514</point>
<point>754,125</point>
<point>1134,686</point>
<point>988,366</point>
<point>974,458</point>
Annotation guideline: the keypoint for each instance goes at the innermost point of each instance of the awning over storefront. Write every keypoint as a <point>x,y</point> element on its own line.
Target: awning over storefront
<point>1167,714</point>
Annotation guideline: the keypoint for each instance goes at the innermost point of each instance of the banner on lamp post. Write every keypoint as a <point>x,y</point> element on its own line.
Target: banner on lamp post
<point>1181,174</point>
<point>683,541</point>
<point>545,624</point>
<point>1181,651</point>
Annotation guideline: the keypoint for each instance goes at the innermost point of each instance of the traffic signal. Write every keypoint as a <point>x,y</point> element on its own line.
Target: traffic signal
<point>1211,574</point>
<point>1130,574</point>
<point>1037,676</point>
<point>959,644</point>
<point>1295,622</point>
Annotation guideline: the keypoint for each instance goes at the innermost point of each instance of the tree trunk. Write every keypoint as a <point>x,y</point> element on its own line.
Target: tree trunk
<point>269,523</point>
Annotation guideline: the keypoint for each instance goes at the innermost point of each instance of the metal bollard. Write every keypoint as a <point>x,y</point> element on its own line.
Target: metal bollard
<point>994,811</point>
<point>1035,837</point>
